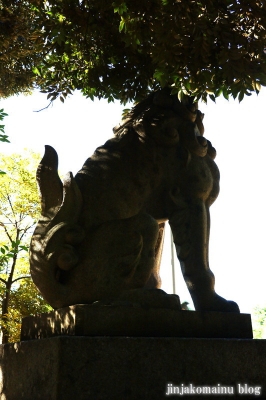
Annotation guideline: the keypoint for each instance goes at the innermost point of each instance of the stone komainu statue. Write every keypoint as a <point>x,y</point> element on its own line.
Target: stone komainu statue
<point>100,233</point>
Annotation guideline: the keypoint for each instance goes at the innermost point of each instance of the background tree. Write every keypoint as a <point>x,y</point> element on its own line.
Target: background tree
<point>123,49</point>
<point>19,209</point>
<point>259,322</point>
<point>3,137</point>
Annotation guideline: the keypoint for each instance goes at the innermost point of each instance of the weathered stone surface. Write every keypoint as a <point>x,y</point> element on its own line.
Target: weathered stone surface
<point>125,368</point>
<point>121,320</point>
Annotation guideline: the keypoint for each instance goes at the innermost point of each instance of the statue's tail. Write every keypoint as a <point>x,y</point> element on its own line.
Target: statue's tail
<point>52,251</point>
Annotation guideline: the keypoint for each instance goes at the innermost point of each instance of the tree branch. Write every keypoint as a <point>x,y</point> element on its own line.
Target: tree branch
<point>6,231</point>
<point>2,280</point>
<point>21,277</point>
<point>11,206</point>
<point>13,266</point>
<point>25,230</point>
<point>44,108</point>
<point>11,222</point>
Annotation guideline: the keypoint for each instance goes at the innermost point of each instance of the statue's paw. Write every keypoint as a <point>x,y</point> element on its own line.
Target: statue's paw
<point>217,303</point>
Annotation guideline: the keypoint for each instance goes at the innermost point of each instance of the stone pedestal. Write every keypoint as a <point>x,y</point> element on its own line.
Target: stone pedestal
<point>127,368</point>
<point>122,320</point>
<point>132,353</point>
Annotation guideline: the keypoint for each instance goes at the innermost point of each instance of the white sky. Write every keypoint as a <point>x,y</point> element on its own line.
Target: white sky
<point>238,217</point>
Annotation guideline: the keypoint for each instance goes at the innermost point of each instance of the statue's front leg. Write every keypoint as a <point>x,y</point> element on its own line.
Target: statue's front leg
<point>190,224</point>
<point>154,281</point>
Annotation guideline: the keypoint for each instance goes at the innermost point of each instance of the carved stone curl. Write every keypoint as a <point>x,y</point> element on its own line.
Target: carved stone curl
<point>100,234</point>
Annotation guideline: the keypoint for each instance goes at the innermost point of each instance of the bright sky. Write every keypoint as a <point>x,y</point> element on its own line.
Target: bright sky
<point>238,217</point>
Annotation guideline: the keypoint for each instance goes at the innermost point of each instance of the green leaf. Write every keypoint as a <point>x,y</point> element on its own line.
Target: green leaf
<point>125,112</point>
<point>2,114</point>
<point>180,95</point>
<point>241,96</point>
<point>24,248</point>
<point>225,93</point>
<point>122,24</point>
<point>121,9</point>
<point>36,71</point>
<point>4,138</point>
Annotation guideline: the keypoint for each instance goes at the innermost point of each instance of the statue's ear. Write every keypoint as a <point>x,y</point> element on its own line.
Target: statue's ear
<point>50,185</point>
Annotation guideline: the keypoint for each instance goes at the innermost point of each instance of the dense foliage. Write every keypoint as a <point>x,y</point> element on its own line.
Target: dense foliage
<point>20,47</point>
<point>259,322</point>
<point>125,48</point>
<point>19,211</point>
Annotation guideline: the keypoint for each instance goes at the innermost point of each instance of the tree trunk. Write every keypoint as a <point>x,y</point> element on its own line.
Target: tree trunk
<point>5,333</point>
<point>5,303</point>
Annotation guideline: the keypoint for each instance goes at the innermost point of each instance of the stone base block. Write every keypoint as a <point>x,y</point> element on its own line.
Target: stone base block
<point>92,320</point>
<point>133,368</point>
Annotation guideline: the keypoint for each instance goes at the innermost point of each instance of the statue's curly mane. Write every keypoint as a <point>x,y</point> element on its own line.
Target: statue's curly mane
<point>158,105</point>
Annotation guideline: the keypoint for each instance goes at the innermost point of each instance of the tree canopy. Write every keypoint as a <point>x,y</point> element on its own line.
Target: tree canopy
<point>125,48</point>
